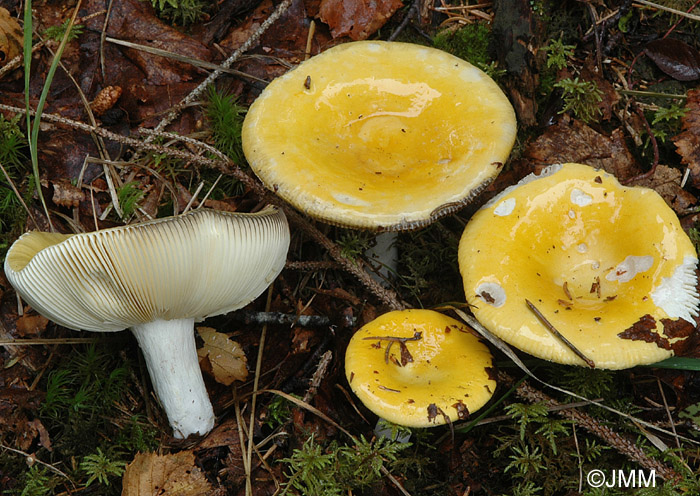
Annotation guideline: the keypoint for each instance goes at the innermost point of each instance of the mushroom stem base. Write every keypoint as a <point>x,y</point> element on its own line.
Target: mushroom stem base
<point>171,357</point>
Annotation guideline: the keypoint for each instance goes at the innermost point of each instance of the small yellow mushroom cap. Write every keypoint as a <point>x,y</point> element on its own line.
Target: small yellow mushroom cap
<point>608,266</point>
<point>444,374</point>
<point>379,135</point>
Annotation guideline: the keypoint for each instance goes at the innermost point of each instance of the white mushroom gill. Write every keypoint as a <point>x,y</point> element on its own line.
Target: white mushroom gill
<point>677,295</point>
<point>156,278</point>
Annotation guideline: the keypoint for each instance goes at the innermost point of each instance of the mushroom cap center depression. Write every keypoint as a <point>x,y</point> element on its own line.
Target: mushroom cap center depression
<point>376,134</point>
<point>578,249</point>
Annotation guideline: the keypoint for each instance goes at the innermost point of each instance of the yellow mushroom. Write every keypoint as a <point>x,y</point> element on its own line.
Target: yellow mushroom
<point>379,135</point>
<point>419,368</point>
<point>608,267</point>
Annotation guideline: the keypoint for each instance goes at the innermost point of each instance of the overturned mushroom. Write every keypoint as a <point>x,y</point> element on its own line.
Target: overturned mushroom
<point>156,278</point>
<point>419,368</point>
<point>573,252</point>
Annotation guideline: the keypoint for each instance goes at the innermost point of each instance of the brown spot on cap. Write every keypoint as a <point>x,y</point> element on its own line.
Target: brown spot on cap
<point>644,330</point>
<point>462,411</point>
<point>432,412</point>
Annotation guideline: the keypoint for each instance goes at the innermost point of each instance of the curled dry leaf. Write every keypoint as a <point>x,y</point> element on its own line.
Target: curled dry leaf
<point>221,357</point>
<point>675,58</point>
<point>67,195</point>
<point>666,181</point>
<point>150,474</point>
<point>10,37</point>
<point>357,19</point>
<point>688,142</point>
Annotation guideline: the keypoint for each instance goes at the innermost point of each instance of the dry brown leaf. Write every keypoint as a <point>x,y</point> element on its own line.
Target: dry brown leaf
<point>666,181</point>
<point>573,141</point>
<point>226,360</point>
<point>150,474</point>
<point>357,19</point>
<point>10,37</point>
<point>67,195</point>
<point>31,324</point>
<point>688,142</point>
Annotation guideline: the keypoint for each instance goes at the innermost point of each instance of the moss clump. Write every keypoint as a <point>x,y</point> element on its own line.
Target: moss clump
<point>470,43</point>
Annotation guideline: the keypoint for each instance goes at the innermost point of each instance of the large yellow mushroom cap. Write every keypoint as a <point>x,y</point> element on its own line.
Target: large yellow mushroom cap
<point>442,372</point>
<point>379,135</point>
<point>609,267</point>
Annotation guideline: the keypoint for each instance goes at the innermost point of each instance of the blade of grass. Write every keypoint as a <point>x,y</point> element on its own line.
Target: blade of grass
<point>678,363</point>
<point>33,130</point>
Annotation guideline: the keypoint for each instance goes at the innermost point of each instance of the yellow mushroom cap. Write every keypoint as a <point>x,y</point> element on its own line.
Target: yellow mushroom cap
<point>379,135</point>
<point>443,374</point>
<point>608,266</point>
<point>192,266</point>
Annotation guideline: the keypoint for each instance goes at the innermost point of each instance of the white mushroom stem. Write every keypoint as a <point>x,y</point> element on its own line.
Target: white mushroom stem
<point>171,357</point>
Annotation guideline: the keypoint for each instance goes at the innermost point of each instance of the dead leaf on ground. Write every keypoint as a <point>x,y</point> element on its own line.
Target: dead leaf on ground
<point>135,21</point>
<point>31,324</point>
<point>666,181</point>
<point>675,58</point>
<point>688,142</point>
<point>150,474</point>
<point>67,195</point>
<point>11,38</point>
<point>573,141</point>
<point>220,356</point>
<point>357,19</point>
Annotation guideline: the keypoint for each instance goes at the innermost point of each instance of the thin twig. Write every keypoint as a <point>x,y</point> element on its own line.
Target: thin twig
<point>194,94</point>
<point>559,335</point>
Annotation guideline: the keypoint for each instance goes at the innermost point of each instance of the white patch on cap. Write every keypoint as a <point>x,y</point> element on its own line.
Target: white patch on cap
<point>505,208</point>
<point>580,198</point>
<point>630,267</point>
<point>349,200</point>
<point>572,214</point>
<point>677,295</point>
<point>582,248</point>
<point>492,293</point>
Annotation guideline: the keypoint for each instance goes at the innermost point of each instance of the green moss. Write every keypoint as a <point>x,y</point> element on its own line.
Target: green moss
<point>470,43</point>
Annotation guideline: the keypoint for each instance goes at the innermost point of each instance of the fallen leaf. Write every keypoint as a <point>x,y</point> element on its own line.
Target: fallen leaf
<point>688,142</point>
<point>675,58</point>
<point>357,19</point>
<point>31,324</point>
<point>573,141</point>
<point>11,38</point>
<point>67,195</point>
<point>666,181</point>
<point>226,358</point>
<point>150,474</point>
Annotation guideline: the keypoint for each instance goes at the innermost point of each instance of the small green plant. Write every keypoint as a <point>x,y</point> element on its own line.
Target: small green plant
<point>99,467</point>
<point>37,482</point>
<point>558,54</point>
<point>667,120</point>
<point>181,12</point>
<point>225,117</point>
<point>336,470</point>
<point>580,98</point>
<point>57,32</point>
<point>278,412</point>
<point>129,196</point>
<point>353,243</point>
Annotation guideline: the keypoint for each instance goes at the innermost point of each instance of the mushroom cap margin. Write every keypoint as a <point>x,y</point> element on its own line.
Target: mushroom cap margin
<point>449,374</point>
<point>379,135</point>
<point>194,265</point>
<point>609,266</point>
